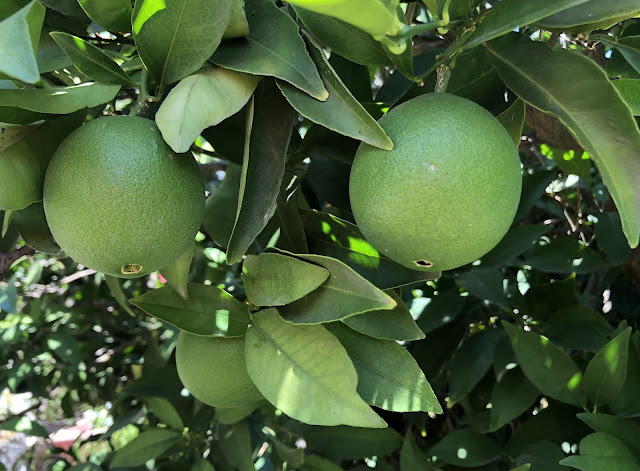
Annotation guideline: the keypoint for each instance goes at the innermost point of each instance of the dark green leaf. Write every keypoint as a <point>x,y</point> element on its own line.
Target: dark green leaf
<point>209,311</point>
<point>202,465</point>
<point>317,463</point>
<point>513,119</point>
<point>59,100</point>
<point>32,225</point>
<point>165,412</point>
<point>351,442</point>
<point>543,456</point>
<point>484,283</point>
<point>533,186</point>
<point>114,15</point>
<point>26,426</point>
<point>438,310</point>
<point>578,328</point>
<point>466,448</point>
<point>221,207</point>
<point>19,36</point>
<point>624,430</point>
<point>542,301</point>
<point>235,441</point>
<point>610,238</point>
<point>600,451</point>
<point>565,255</point>
<point>594,14</point>
<point>177,274</point>
<point>629,90</point>
<point>114,285</point>
<point>627,402</point>
<point>411,457</point>
<point>146,446</point>
<point>511,397</point>
<point>515,243</point>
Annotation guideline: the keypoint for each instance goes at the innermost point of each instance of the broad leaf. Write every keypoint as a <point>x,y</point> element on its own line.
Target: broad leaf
<point>513,119</point>
<point>281,55</point>
<point>90,60</point>
<point>59,100</point>
<point>32,225</point>
<point>344,294</point>
<point>600,451</point>
<point>165,412</point>
<point>263,167</point>
<point>549,368</point>
<point>177,274</point>
<point>509,14</point>
<point>541,456</point>
<point>26,426</point>
<point>624,430</point>
<point>578,328</point>
<point>209,311</point>
<point>341,112</point>
<point>594,113</point>
<point>221,207</point>
<point>354,443</point>
<point>629,90</point>
<point>238,26</point>
<point>565,255</point>
<point>294,366</point>
<point>484,283</point>
<point>391,324</point>
<point>235,440</point>
<point>146,446</point>
<point>115,15</point>
<point>391,379</point>
<point>511,397</point>
<point>168,43</point>
<point>271,279</point>
<point>202,100</point>
<point>607,370</point>
<point>202,465</point>
<point>517,241</point>
<point>411,457</point>
<point>334,237</point>
<point>318,463</point>
<point>466,448</point>
<point>627,402</point>
<point>235,414</point>
<point>19,35</point>
<point>594,14</point>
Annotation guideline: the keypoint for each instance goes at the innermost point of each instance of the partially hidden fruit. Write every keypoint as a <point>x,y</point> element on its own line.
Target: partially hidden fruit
<point>213,370</point>
<point>119,200</point>
<point>447,192</point>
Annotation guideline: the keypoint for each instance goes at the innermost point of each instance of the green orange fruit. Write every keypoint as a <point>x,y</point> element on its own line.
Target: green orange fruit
<point>447,192</point>
<point>213,370</point>
<point>117,198</point>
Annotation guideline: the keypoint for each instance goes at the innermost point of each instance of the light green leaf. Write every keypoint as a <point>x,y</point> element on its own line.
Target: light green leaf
<point>265,154</point>
<point>271,279</point>
<point>509,14</point>
<point>202,100</point>
<point>235,440</point>
<point>32,225</point>
<point>235,414</point>
<point>391,379</point>
<point>344,294</point>
<point>209,311</point>
<point>26,426</point>
<point>341,112</point>
<point>593,112</point>
<point>59,100</point>
<point>115,15</point>
<point>411,457</point>
<point>202,465</point>
<point>281,55</point>
<point>146,446</point>
<point>391,324</point>
<point>19,36</point>
<point>238,26</point>
<point>177,274</point>
<point>165,412</point>
<point>114,285</point>
<point>354,443</point>
<point>594,14</point>
<point>600,451</point>
<point>549,368</point>
<point>294,366</point>
<point>343,38</point>
<point>511,396</point>
<point>513,119</point>
<point>176,37</point>
<point>624,430</point>
<point>466,448</point>
<point>607,370</point>
<point>629,90</point>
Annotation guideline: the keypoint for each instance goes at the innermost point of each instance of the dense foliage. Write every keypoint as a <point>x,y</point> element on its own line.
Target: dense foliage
<point>528,358</point>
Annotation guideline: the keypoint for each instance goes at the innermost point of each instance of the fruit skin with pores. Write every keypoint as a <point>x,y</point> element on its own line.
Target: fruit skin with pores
<point>213,370</point>
<point>448,191</point>
<point>117,198</point>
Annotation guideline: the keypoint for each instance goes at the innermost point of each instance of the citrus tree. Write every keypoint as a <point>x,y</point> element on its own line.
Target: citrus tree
<point>320,235</point>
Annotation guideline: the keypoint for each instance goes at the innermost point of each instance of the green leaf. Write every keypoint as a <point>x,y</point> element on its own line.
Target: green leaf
<point>578,328</point>
<point>391,379</point>
<point>294,366</point>
<point>565,255</point>
<point>334,237</point>
<point>594,113</point>
<point>176,37</point>
<point>235,440</point>
<point>344,39</point>
<point>19,35</point>
<point>202,465</point>
<point>235,414</point>
<point>209,311</point>
<point>629,90</point>
<point>513,119</point>
<point>271,279</point>
<point>26,426</point>
<point>354,443</point>
<point>471,362</point>
<point>90,60</point>
<point>391,324</point>
<point>263,167</point>
<point>484,283</point>
<point>524,467</point>
<point>317,463</point>
<point>281,55</point>
<point>627,402</point>
<point>610,237</point>
<point>202,100</point>
<point>466,448</point>
<point>517,241</point>
<point>511,397</point>
<point>88,466</point>
<point>114,285</point>
<point>607,370</point>
<point>624,430</point>
<point>533,186</point>
<point>221,207</point>
<point>542,456</point>
<point>629,47</point>
<point>594,14</point>
<point>165,412</point>
<point>32,225</point>
<point>411,457</point>
<point>59,100</point>
<point>600,451</point>
<point>146,446</point>
<point>509,14</point>
<point>344,294</point>
<point>341,112</point>
<point>550,369</point>
<point>177,274</point>
<point>115,15</point>
<point>238,26</point>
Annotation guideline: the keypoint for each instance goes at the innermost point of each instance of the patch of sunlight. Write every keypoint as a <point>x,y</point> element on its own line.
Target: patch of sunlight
<point>544,341</point>
<point>510,366</point>
<point>462,453</point>
<point>334,238</point>
<point>184,392</point>
<point>548,362</point>
<point>363,260</point>
<point>575,381</point>
<point>80,44</point>
<point>274,238</point>
<point>566,447</point>
<point>54,344</point>
<point>611,354</point>
<point>60,92</point>
<point>326,227</point>
<point>222,319</point>
<point>363,247</point>
<point>577,262</point>
<point>147,9</point>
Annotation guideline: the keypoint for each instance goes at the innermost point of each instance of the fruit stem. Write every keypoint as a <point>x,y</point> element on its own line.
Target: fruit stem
<point>444,74</point>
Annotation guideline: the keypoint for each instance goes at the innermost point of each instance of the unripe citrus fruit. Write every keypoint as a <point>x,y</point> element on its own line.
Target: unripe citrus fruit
<point>119,200</point>
<point>213,370</point>
<point>447,192</point>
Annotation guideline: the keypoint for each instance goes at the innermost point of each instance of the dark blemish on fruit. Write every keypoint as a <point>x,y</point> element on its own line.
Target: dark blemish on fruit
<point>131,269</point>
<point>423,263</point>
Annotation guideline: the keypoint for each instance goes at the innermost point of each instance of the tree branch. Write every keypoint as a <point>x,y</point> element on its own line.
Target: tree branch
<point>7,259</point>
